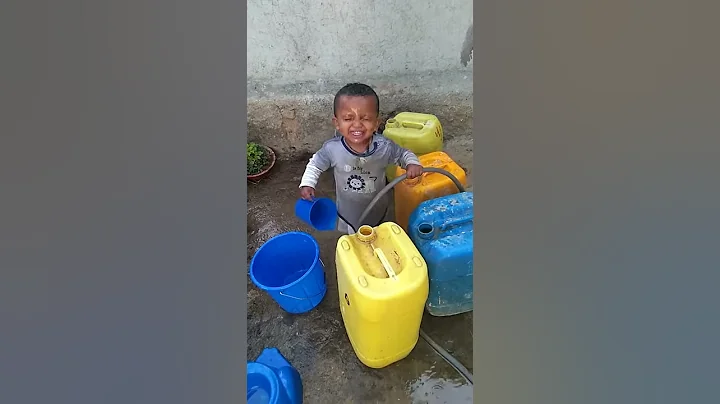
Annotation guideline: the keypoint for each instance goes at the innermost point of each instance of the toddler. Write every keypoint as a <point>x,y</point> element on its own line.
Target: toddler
<point>358,156</point>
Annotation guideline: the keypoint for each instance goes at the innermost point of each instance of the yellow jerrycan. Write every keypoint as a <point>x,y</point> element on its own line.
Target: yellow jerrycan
<point>383,286</point>
<point>417,132</point>
<point>411,193</point>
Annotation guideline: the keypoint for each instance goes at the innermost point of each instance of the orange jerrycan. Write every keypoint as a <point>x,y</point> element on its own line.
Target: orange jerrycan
<point>383,286</point>
<point>419,133</point>
<point>411,193</point>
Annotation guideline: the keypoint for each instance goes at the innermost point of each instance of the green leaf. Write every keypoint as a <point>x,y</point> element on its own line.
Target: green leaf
<point>257,158</point>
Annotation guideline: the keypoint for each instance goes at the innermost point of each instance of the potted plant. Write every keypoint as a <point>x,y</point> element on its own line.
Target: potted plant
<point>260,159</point>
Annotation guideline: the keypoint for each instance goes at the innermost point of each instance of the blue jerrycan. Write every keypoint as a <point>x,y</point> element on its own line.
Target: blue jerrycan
<point>442,230</point>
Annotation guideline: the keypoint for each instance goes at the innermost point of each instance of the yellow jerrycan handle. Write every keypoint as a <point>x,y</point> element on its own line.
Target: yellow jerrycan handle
<point>412,125</point>
<point>385,263</point>
<point>405,124</point>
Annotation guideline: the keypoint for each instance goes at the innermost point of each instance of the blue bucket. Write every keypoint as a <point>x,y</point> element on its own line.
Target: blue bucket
<point>289,269</point>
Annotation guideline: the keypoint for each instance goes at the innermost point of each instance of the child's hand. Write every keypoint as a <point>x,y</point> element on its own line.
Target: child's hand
<point>414,171</point>
<point>307,193</point>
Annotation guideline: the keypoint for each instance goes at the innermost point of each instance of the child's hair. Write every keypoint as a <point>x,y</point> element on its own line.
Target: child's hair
<point>356,90</point>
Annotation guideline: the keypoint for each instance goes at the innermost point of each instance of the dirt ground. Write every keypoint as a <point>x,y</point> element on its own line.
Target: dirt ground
<point>316,342</point>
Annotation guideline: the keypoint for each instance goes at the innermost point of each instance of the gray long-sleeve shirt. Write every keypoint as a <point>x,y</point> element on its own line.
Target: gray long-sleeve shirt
<point>358,177</point>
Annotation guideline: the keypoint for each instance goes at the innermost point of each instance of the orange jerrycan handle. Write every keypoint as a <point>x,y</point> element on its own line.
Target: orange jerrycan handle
<point>443,166</point>
<point>437,162</point>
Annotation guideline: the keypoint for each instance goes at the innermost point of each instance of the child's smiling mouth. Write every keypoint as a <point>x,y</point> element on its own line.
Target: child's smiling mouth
<point>357,134</point>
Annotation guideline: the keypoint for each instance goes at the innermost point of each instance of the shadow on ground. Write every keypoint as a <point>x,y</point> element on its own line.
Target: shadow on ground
<point>316,342</point>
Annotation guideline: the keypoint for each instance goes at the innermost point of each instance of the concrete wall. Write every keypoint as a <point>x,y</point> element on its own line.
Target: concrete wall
<point>417,54</point>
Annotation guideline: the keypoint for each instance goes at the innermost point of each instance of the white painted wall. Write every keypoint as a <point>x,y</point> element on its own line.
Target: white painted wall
<point>301,40</point>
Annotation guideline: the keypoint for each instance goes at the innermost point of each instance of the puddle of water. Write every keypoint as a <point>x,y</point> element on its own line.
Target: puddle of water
<point>430,388</point>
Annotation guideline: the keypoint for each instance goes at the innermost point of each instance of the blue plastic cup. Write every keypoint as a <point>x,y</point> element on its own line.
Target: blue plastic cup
<point>320,213</point>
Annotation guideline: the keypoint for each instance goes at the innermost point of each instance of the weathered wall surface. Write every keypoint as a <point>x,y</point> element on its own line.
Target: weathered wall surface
<point>417,55</point>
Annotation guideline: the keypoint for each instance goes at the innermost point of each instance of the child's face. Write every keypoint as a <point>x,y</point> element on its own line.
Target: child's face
<point>356,119</point>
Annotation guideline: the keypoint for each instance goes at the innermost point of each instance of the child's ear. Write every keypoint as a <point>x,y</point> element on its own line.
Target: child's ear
<point>335,123</point>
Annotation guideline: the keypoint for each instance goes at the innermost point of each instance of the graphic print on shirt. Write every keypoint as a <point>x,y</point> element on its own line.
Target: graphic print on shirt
<point>359,181</point>
<point>355,183</point>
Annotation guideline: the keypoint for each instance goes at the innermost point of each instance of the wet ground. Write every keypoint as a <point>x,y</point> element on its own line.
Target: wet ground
<point>316,342</point>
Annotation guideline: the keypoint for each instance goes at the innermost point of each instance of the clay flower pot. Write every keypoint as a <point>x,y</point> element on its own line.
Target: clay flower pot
<point>266,169</point>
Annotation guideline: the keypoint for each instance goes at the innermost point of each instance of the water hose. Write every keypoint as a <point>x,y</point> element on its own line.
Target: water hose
<point>447,356</point>
<point>396,181</point>
<point>434,345</point>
